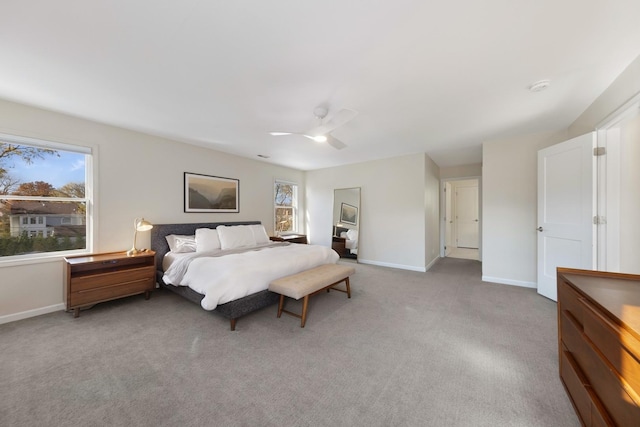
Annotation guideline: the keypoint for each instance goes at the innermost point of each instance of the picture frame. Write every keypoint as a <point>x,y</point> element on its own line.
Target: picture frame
<point>348,214</point>
<point>207,193</point>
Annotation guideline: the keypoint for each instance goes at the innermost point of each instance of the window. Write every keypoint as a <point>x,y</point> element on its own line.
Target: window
<point>44,197</point>
<point>286,207</point>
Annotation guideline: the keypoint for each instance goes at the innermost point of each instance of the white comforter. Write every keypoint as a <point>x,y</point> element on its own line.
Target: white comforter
<point>229,277</point>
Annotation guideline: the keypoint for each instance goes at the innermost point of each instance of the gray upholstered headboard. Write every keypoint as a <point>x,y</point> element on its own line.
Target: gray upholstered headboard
<point>159,231</point>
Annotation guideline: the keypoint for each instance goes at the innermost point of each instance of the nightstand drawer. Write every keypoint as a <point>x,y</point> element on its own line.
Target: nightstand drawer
<point>108,292</point>
<point>84,283</point>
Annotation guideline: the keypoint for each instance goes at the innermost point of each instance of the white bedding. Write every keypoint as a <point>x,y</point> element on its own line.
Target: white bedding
<point>224,277</point>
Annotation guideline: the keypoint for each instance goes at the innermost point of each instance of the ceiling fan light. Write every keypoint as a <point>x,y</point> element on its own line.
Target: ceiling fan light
<point>320,138</point>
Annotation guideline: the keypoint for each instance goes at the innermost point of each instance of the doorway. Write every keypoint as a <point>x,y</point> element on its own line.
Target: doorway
<point>460,234</point>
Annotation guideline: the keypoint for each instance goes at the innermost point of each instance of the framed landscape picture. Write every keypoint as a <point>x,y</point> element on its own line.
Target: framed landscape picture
<point>349,214</point>
<point>205,193</point>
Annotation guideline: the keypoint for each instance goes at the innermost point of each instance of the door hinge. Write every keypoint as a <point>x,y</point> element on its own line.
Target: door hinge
<point>599,220</point>
<point>599,151</point>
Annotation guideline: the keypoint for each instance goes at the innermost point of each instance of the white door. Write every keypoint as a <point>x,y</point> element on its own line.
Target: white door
<point>467,217</point>
<point>566,206</point>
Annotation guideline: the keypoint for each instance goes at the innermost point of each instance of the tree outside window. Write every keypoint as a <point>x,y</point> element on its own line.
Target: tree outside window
<point>286,207</point>
<point>41,188</point>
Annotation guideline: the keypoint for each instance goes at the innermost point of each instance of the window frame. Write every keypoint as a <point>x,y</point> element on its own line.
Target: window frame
<point>294,206</point>
<point>88,200</point>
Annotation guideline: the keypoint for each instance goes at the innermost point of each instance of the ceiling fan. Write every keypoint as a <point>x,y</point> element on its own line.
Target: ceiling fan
<point>322,132</point>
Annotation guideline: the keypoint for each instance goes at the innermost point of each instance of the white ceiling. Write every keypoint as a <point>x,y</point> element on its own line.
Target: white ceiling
<point>425,76</point>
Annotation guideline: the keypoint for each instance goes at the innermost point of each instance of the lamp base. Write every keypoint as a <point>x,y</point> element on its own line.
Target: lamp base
<point>134,251</point>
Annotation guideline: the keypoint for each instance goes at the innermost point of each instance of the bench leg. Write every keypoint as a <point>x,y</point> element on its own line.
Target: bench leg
<point>347,285</point>
<point>305,305</point>
<point>280,306</point>
<point>232,324</point>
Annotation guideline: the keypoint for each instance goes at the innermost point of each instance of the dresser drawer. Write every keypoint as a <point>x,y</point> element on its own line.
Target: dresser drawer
<point>575,383</point>
<point>584,399</point>
<point>599,416</point>
<point>82,283</point>
<point>604,382</point>
<point>619,347</point>
<point>571,332</point>
<point>122,289</point>
<point>569,300</point>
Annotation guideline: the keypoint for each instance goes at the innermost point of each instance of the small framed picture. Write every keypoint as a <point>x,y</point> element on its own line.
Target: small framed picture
<point>349,214</point>
<point>206,193</point>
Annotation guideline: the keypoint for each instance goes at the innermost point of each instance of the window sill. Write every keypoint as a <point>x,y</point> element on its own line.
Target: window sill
<point>18,260</point>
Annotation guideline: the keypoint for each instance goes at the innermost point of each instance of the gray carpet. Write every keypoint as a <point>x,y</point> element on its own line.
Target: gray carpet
<point>440,348</point>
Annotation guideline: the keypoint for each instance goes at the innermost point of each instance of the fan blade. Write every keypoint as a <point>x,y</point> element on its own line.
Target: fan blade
<point>280,133</point>
<point>337,120</point>
<point>335,143</point>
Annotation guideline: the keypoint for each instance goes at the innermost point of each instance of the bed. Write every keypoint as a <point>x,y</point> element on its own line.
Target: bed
<point>350,237</point>
<point>204,263</point>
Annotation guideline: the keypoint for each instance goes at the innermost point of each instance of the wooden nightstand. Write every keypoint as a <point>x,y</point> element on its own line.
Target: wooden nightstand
<point>91,279</point>
<point>293,238</point>
<point>338,244</point>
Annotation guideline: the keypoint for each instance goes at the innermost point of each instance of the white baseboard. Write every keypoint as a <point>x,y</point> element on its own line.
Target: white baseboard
<point>520,283</point>
<point>390,265</point>
<point>31,313</point>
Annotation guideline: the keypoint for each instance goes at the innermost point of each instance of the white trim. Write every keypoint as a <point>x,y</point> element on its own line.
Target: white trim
<point>624,111</point>
<point>390,265</point>
<point>45,143</point>
<point>442,212</point>
<point>31,313</point>
<point>511,282</point>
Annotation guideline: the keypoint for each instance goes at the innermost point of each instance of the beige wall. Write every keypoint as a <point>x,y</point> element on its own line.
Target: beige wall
<point>461,171</point>
<point>397,198</point>
<point>431,211</point>
<point>623,89</point>
<point>137,175</point>
<point>509,208</point>
<point>509,187</point>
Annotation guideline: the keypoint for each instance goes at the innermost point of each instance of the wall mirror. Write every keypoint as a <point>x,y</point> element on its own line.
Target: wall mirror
<point>346,222</point>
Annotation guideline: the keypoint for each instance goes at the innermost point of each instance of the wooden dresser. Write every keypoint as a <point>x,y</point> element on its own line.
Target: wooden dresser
<point>599,345</point>
<point>91,279</point>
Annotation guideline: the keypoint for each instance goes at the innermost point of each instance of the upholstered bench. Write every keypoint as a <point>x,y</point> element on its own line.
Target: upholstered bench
<point>310,282</point>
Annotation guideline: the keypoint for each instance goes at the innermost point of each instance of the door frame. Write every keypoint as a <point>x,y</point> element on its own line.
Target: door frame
<point>608,185</point>
<point>443,212</point>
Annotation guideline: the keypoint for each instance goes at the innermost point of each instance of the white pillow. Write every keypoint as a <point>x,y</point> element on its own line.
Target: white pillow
<point>207,240</point>
<point>171,240</point>
<point>237,236</point>
<point>260,234</point>
<point>185,244</point>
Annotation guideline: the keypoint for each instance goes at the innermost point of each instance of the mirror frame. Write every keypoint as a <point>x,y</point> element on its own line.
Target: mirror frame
<point>345,216</point>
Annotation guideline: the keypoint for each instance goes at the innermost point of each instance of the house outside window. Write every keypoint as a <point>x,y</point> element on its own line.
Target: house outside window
<point>45,199</point>
<point>286,207</point>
